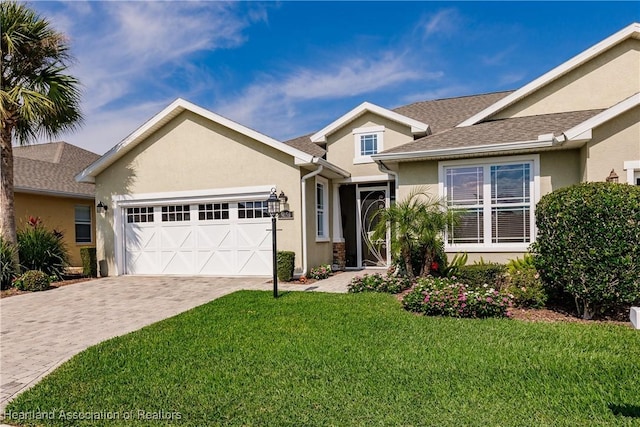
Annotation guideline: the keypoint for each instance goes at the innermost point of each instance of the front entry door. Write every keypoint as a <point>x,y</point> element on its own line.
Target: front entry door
<point>371,252</point>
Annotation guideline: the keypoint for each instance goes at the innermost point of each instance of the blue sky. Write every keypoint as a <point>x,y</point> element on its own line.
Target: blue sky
<point>290,68</point>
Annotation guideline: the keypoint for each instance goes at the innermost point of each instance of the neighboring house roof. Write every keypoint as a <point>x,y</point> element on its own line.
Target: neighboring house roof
<point>417,127</point>
<point>631,31</point>
<point>442,114</point>
<point>519,133</point>
<point>50,169</point>
<point>176,108</point>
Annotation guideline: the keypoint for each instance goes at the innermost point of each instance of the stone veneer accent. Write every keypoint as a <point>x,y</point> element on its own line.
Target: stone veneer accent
<point>339,255</point>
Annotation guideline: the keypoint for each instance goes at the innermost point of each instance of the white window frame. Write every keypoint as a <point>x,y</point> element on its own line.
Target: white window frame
<point>378,131</point>
<point>90,224</point>
<point>633,171</point>
<point>324,236</point>
<point>534,191</point>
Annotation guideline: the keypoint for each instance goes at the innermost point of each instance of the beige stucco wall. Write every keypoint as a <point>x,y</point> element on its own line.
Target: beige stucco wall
<point>319,252</point>
<point>613,143</point>
<point>341,145</point>
<point>193,153</point>
<point>600,83</point>
<point>56,213</point>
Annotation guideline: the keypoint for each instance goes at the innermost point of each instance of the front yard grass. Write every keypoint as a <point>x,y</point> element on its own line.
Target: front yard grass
<point>350,359</point>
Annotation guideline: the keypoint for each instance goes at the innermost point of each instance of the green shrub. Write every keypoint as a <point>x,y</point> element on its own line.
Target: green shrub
<point>286,264</point>
<point>321,272</point>
<point>527,288</point>
<point>521,263</point>
<point>477,275</point>
<point>588,244</point>
<point>41,249</point>
<point>434,296</point>
<point>33,280</point>
<point>452,268</point>
<point>377,282</point>
<point>7,270</point>
<point>89,262</point>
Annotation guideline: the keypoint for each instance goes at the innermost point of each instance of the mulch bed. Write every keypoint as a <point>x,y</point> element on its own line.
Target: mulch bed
<point>559,314</point>
<point>13,291</point>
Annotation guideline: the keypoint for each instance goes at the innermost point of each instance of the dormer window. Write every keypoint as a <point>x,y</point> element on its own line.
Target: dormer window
<point>368,141</point>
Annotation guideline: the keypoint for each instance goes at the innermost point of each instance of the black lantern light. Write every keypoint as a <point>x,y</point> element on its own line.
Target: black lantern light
<point>274,208</point>
<point>101,207</point>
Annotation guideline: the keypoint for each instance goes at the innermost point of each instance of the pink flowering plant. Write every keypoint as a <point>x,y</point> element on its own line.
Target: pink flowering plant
<point>388,283</point>
<point>447,297</point>
<point>321,272</point>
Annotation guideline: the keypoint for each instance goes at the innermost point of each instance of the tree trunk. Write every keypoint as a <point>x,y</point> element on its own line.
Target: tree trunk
<point>428,259</point>
<point>7,207</point>
<point>406,257</point>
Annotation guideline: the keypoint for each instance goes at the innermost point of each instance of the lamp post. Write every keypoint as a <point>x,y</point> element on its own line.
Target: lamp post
<point>273,208</point>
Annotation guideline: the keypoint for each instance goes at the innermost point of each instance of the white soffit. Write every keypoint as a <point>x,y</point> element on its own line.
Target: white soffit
<point>417,127</point>
<point>630,31</point>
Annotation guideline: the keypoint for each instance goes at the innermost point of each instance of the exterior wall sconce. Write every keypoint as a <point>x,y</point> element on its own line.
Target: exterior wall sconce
<point>613,176</point>
<point>101,207</point>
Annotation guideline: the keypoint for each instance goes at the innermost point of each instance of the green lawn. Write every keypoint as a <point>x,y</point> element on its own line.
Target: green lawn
<point>355,359</point>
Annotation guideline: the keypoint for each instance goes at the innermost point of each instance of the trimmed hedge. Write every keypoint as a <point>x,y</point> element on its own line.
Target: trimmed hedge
<point>588,244</point>
<point>89,262</point>
<point>286,263</point>
<point>33,280</point>
<point>477,275</point>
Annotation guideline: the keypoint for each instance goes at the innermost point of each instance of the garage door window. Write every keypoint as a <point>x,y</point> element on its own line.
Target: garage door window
<point>213,211</point>
<point>142,214</point>
<point>252,210</point>
<point>175,213</point>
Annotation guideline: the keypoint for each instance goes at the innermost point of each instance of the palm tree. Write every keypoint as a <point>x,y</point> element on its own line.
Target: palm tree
<point>417,223</point>
<point>37,96</point>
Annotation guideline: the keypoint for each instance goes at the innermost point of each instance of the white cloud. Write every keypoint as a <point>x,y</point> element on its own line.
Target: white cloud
<point>123,48</point>
<point>271,103</point>
<point>445,21</point>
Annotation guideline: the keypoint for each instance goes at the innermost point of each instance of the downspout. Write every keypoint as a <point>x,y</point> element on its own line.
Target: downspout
<point>304,216</point>
<point>383,168</point>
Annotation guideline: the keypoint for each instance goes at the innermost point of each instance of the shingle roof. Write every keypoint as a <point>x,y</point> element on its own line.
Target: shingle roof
<point>442,114</point>
<point>52,168</point>
<point>303,143</point>
<point>439,114</point>
<point>498,131</point>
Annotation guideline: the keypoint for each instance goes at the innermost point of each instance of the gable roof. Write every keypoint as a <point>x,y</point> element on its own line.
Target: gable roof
<point>50,169</point>
<point>441,114</point>
<point>631,31</point>
<point>417,127</point>
<point>173,110</point>
<point>519,133</point>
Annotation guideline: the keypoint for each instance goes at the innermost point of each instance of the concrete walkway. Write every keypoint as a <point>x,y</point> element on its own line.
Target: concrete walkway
<point>40,331</point>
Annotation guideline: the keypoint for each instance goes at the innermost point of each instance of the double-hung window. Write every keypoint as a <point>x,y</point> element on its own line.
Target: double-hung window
<point>367,141</point>
<point>83,224</point>
<point>322,211</point>
<point>495,203</point>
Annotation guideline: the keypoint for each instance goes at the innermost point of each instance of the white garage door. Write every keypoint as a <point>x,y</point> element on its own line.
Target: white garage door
<point>219,239</point>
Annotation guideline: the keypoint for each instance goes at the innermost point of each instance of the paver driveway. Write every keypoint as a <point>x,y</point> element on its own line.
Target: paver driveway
<point>40,331</point>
